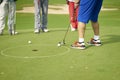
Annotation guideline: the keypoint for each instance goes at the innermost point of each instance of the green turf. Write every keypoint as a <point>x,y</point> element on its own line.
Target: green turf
<point>106,3</point>
<point>43,60</point>
<point>111,4</point>
<point>19,61</point>
<point>24,3</point>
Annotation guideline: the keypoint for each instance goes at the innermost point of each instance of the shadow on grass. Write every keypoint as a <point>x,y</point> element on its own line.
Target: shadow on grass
<point>110,39</point>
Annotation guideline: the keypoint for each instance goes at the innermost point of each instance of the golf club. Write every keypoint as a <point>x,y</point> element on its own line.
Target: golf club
<point>63,41</point>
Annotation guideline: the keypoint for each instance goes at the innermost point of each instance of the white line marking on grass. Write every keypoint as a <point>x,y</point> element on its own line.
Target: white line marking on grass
<point>2,52</point>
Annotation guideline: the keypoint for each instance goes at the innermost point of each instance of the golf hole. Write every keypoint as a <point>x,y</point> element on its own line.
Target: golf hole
<point>34,50</point>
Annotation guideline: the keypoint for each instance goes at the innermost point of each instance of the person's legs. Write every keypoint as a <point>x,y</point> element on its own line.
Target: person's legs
<point>44,6</point>
<point>37,16</point>
<point>72,15</point>
<point>3,13</point>
<point>81,30</point>
<point>12,17</point>
<point>84,16</point>
<point>85,10</point>
<point>94,17</point>
<point>95,24</point>
<point>76,15</point>
<point>96,39</point>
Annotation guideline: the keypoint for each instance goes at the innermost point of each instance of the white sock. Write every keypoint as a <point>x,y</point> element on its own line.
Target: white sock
<point>81,39</point>
<point>96,37</point>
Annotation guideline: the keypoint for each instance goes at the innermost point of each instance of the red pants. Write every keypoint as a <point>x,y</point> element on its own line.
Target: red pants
<point>73,15</point>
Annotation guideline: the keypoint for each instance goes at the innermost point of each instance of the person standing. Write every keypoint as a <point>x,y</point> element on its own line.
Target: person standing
<point>8,7</point>
<point>89,10</point>
<point>73,12</point>
<point>41,14</point>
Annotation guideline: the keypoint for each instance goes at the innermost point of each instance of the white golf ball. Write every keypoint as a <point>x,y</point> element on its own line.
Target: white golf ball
<point>29,42</point>
<point>58,44</point>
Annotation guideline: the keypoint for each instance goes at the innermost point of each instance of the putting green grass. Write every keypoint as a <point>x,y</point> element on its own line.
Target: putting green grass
<point>43,60</point>
<point>25,3</point>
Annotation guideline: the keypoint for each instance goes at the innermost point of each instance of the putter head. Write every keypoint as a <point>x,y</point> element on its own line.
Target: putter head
<point>61,44</point>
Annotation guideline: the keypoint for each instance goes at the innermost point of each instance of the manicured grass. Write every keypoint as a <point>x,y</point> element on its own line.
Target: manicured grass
<point>43,60</point>
<point>26,21</point>
<point>19,61</point>
<point>25,3</point>
<point>106,3</point>
<point>111,4</point>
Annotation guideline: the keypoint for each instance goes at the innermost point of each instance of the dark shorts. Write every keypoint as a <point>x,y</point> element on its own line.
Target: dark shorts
<point>89,10</point>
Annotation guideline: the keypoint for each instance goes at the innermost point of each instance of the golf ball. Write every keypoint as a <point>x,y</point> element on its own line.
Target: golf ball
<point>29,42</point>
<point>58,44</point>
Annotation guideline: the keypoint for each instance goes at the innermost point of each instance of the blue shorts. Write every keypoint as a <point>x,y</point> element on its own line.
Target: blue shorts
<point>89,10</point>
